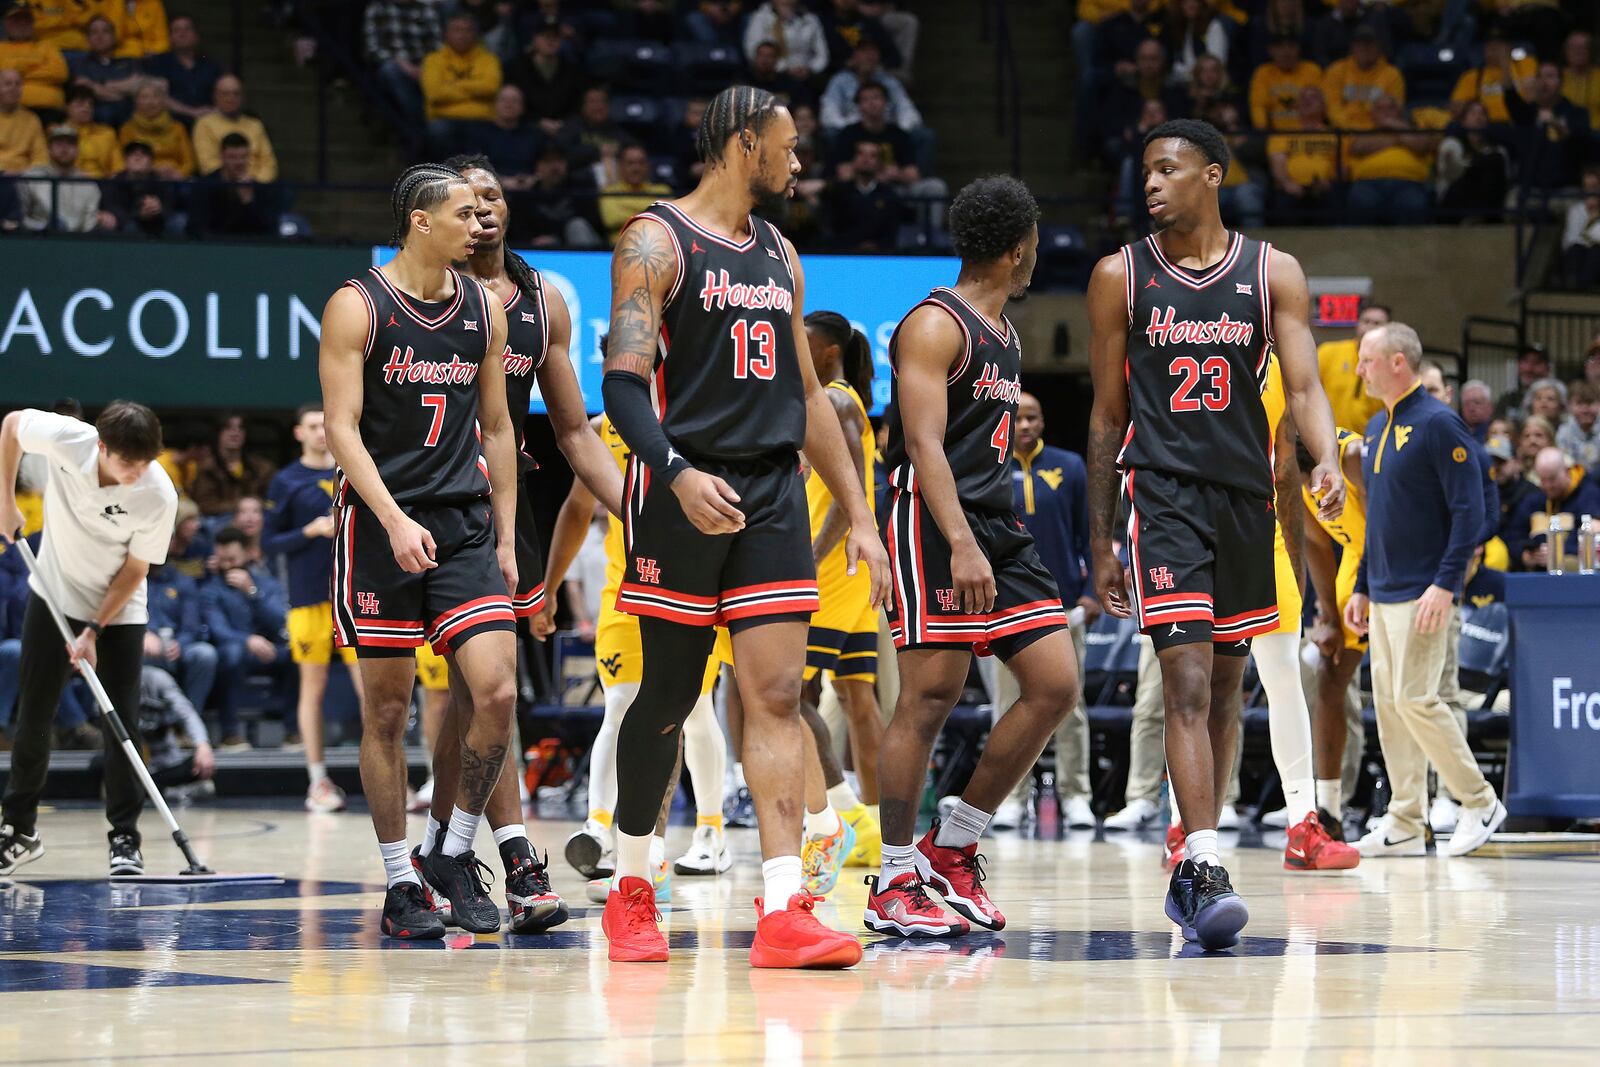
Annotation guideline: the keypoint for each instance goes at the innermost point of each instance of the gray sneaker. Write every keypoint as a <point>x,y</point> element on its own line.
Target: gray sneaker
<point>17,849</point>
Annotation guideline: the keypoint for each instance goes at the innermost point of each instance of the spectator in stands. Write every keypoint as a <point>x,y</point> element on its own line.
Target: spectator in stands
<point>1242,198</point>
<point>1129,148</point>
<point>227,472</point>
<point>1195,29</point>
<point>550,82</point>
<point>864,212</point>
<point>1124,108</point>
<point>66,200</point>
<point>21,134</point>
<point>631,193</point>
<point>228,202</point>
<point>138,200</point>
<point>1580,237</point>
<point>1546,398</point>
<point>190,547</point>
<point>896,157</point>
<point>247,519</point>
<point>191,77</point>
<point>847,26</point>
<point>1282,18</point>
<point>1353,85</point>
<point>1305,166</point>
<point>765,74</point>
<point>1333,36</point>
<point>62,22</point>
<point>43,70</point>
<point>686,161</point>
<point>1553,136</point>
<point>1506,470</point>
<point>1209,86</point>
<point>1477,408</point>
<point>1353,407</point>
<point>865,64</point>
<point>1117,39</point>
<point>1533,363</point>
<point>1580,78</point>
<point>229,117</point>
<point>1579,435</point>
<point>1562,487</point>
<point>1389,169</point>
<point>141,27</point>
<point>1473,170</point>
<point>153,124</point>
<point>590,137</point>
<point>510,142</point>
<point>245,611</point>
<point>1276,87</point>
<point>560,210</point>
<point>496,23</point>
<point>459,81</point>
<point>795,34</point>
<point>716,22</point>
<point>1591,362</point>
<point>176,641</point>
<point>112,79</point>
<point>1537,433</point>
<point>398,35</point>
<point>165,715</point>
<point>99,154</point>
<point>1487,83</point>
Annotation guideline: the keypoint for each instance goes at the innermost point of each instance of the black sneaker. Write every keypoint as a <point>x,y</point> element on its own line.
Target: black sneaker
<point>460,880</point>
<point>126,858</point>
<point>17,848</point>
<point>1201,900</point>
<point>408,915</point>
<point>533,905</point>
<point>1332,825</point>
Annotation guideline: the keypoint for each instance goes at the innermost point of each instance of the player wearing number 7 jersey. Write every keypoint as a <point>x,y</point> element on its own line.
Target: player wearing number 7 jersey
<point>1182,326</point>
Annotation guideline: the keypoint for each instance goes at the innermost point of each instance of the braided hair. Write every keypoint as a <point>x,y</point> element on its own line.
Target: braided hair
<point>516,267</point>
<point>733,111</point>
<point>421,187</point>
<point>854,347</point>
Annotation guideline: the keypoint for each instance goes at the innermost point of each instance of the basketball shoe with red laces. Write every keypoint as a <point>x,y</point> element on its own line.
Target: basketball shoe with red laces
<point>1174,851</point>
<point>904,907</point>
<point>1311,849</point>
<point>958,874</point>
<point>632,923</point>
<point>794,937</point>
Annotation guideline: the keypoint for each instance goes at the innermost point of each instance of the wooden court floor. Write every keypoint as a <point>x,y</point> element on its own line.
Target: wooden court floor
<point>1481,960</point>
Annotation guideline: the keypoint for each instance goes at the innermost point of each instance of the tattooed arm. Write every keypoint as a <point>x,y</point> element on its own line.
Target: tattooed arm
<point>1108,421</point>
<point>643,270</point>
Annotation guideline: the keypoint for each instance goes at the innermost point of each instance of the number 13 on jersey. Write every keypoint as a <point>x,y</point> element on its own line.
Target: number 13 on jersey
<point>760,335</point>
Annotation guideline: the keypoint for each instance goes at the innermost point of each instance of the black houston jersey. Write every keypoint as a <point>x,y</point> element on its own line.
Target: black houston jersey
<point>1196,361</point>
<point>527,344</point>
<point>981,406</point>
<point>419,405</point>
<point>727,374</point>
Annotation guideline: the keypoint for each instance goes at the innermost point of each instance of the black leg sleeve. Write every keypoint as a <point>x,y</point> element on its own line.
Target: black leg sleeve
<point>41,676</point>
<point>647,744</point>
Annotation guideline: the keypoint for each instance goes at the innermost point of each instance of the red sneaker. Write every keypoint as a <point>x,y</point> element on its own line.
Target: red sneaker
<point>630,922</point>
<point>1175,849</point>
<point>904,907</point>
<point>795,938</point>
<point>958,874</point>
<point>1311,849</point>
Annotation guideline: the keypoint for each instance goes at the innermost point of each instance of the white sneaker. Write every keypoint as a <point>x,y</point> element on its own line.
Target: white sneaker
<point>1278,820</point>
<point>1474,828</point>
<point>587,848</point>
<point>1009,815</point>
<point>708,853</point>
<point>1077,813</point>
<point>324,797</point>
<point>17,849</point>
<point>1379,842</point>
<point>1228,818</point>
<point>422,799</point>
<point>1135,816</point>
<point>1443,814</point>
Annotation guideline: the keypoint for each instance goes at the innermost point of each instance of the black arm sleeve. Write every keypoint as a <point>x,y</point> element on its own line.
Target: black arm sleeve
<point>627,401</point>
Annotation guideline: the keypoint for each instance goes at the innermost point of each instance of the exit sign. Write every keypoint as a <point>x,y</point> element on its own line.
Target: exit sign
<point>1338,300</point>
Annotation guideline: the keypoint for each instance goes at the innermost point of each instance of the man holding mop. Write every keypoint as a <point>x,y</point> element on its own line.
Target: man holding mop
<point>108,517</point>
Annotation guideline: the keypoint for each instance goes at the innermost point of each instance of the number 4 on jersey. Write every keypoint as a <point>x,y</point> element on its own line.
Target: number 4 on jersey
<point>1001,441</point>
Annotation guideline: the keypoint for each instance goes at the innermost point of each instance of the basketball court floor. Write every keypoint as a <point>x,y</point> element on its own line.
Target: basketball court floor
<point>1484,960</point>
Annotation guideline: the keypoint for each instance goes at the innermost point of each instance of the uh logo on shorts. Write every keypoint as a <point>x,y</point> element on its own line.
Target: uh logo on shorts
<point>947,599</point>
<point>1161,577</point>
<point>367,603</point>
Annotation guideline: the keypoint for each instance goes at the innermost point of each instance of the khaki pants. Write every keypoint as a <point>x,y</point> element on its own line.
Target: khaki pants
<point>1147,740</point>
<point>1415,727</point>
<point>1072,736</point>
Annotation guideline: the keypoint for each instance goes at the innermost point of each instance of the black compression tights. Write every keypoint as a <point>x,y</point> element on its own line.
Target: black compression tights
<point>647,744</point>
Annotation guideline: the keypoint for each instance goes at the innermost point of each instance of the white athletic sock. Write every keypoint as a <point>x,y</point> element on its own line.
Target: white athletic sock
<point>463,828</point>
<point>430,834</point>
<point>780,879</point>
<point>897,860</point>
<point>633,856</point>
<point>965,825</point>
<point>822,823</point>
<point>738,776</point>
<point>1330,796</point>
<point>1201,847</point>
<point>502,834</point>
<point>316,772</point>
<point>397,862</point>
<point>658,852</point>
<point>705,755</point>
<point>843,798</point>
<point>603,753</point>
<point>1288,719</point>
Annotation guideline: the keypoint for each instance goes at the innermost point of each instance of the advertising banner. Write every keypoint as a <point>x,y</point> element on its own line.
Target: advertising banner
<point>1555,695</point>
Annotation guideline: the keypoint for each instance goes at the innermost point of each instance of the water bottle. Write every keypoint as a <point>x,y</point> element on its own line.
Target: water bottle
<point>1586,546</point>
<point>1556,546</point>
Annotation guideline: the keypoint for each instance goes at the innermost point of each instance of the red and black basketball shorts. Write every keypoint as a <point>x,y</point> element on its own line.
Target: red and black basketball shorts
<point>924,609</point>
<point>1201,558</point>
<point>381,610</point>
<point>530,559</point>
<point>763,573</point>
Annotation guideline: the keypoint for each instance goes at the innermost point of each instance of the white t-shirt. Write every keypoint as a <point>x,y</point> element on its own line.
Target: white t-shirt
<point>90,529</point>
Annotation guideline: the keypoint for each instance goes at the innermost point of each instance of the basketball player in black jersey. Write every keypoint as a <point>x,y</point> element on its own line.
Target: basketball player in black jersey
<point>413,385</point>
<point>707,305</point>
<point>538,331</point>
<point>966,574</point>
<point>1181,328</point>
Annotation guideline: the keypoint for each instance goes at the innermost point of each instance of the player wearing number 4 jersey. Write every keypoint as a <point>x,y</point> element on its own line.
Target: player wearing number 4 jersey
<point>1181,328</point>
<point>966,574</point>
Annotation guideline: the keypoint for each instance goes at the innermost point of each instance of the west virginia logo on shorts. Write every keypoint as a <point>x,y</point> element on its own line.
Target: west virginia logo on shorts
<point>612,663</point>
